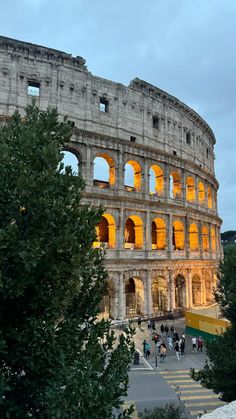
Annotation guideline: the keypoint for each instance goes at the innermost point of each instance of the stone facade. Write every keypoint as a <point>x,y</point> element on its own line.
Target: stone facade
<point>163,245</point>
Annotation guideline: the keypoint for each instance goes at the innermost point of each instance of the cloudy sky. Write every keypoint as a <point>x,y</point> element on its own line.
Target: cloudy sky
<point>186,47</point>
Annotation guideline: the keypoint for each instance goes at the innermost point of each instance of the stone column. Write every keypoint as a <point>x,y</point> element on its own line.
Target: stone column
<point>120,172</point>
<point>190,288</point>
<point>121,297</point>
<point>203,290</point>
<point>167,181</point>
<point>186,237</point>
<point>89,168</point>
<point>171,290</point>
<point>115,300</point>
<point>170,234</point>
<point>183,185</point>
<point>120,230</point>
<point>145,180</point>
<point>148,294</point>
<point>147,232</point>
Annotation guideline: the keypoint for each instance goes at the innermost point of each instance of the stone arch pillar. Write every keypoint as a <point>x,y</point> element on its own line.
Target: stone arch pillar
<point>148,293</point>
<point>120,230</point>
<point>171,286</point>
<point>145,179</point>
<point>121,301</point>
<point>190,289</point>
<point>120,172</point>
<point>167,181</point>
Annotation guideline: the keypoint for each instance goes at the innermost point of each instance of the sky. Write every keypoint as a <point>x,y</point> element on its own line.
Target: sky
<point>185,47</point>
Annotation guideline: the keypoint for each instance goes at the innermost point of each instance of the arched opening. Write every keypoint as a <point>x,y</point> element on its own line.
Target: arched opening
<point>178,235</point>
<point>175,185</point>
<point>159,295</point>
<point>106,232</point>
<point>209,289</point>
<point>213,238</point>
<point>201,193</point>
<point>104,171</point>
<point>193,237</point>
<point>156,180</point>
<point>107,302</point>
<point>134,297</point>
<point>196,290</point>
<point>180,292</point>
<point>132,176</point>
<point>209,197</point>
<point>158,234</point>
<point>205,239</point>
<point>190,189</point>
<point>133,233</point>
<point>70,159</point>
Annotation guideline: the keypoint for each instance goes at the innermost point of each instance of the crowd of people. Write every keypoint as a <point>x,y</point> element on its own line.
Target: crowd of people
<point>168,337</point>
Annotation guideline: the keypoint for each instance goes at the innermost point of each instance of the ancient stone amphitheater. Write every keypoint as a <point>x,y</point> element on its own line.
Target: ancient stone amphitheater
<point>156,180</point>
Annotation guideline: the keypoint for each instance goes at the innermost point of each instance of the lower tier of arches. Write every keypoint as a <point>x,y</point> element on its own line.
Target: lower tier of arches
<point>150,292</point>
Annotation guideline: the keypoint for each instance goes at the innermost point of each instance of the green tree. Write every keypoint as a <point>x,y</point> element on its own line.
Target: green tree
<point>56,359</point>
<point>219,373</point>
<point>169,411</point>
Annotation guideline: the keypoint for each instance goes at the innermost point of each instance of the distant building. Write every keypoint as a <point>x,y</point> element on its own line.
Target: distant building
<point>161,229</point>
<point>228,237</point>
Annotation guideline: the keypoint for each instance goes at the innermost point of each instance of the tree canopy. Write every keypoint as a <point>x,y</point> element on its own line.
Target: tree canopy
<point>56,359</point>
<point>219,373</point>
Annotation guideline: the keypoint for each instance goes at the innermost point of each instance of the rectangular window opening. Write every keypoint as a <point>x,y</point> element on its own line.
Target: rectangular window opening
<point>103,105</point>
<point>33,88</point>
<point>155,122</point>
<point>188,138</point>
<point>174,153</point>
<point>132,139</point>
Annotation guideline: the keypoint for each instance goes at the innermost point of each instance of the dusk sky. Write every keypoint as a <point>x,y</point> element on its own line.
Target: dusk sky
<point>185,47</point>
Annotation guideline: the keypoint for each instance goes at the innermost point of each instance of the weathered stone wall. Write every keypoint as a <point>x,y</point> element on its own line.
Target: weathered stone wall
<point>148,127</point>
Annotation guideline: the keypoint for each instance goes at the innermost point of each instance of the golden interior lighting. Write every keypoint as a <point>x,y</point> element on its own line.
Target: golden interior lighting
<point>106,232</point>
<point>201,193</point>
<point>159,179</point>
<point>178,235</point>
<point>190,189</point>
<point>175,185</point>
<point>158,234</point>
<point>205,239</point>
<point>133,233</point>
<point>213,238</point>
<point>193,237</point>
<point>209,197</point>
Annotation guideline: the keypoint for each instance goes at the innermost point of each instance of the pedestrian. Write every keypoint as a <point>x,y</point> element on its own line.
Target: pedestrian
<point>149,324</point>
<point>199,344</point>
<point>153,325</point>
<point>176,335</point>
<point>172,330</point>
<point>144,347</point>
<point>169,342</point>
<point>158,345</point>
<point>162,352</point>
<point>139,322</point>
<point>148,350</point>
<point>182,346</point>
<point>166,329</point>
<point>155,338</point>
<point>177,350</point>
<point>194,344</point>
<point>162,329</point>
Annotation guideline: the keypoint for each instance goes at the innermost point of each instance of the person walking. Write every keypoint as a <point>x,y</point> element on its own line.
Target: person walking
<point>177,350</point>
<point>182,346</point>
<point>153,326</point>
<point>169,342</point>
<point>166,329</point>
<point>148,350</point>
<point>144,347</point>
<point>149,324</point>
<point>199,344</point>
<point>172,330</point>
<point>162,329</point>
<point>194,344</point>
<point>162,352</point>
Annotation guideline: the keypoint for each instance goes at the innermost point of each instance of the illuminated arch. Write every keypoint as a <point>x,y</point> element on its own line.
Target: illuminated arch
<point>156,177</point>
<point>104,171</point>
<point>158,234</point>
<point>190,189</point>
<point>134,297</point>
<point>180,292</point>
<point>209,197</point>
<point>193,237</point>
<point>178,235</point>
<point>133,233</point>
<point>175,185</point>
<point>159,295</point>
<point>205,239</point>
<point>196,290</point>
<point>106,232</point>
<point>73,159</point>
<point>213,238</point>
<point>201,193</point>
<point>132,175</point>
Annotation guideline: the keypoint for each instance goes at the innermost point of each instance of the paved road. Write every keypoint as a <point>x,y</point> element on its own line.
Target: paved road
<point>152,386</point>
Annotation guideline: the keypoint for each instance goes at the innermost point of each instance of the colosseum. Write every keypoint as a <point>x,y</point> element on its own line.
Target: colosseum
<point>156,179</point>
